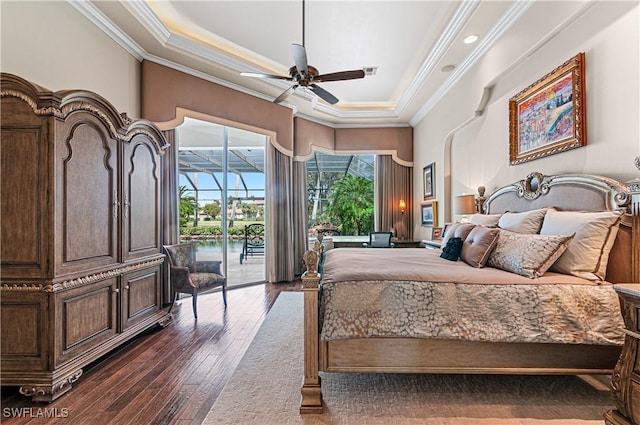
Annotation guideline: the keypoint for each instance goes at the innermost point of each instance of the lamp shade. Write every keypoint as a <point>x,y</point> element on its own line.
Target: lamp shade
<point>465,204</point>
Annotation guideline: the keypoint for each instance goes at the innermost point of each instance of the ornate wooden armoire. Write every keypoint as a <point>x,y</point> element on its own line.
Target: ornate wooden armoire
<point>81,262</point>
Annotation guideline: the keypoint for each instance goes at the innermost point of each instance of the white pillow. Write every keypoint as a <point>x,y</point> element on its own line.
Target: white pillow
<point>487,220</point>
<point>522,222</point>
<point>588,253</point>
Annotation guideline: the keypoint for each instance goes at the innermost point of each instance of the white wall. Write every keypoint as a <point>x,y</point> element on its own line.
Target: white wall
<point>608,34</point>
<point>51,44</point>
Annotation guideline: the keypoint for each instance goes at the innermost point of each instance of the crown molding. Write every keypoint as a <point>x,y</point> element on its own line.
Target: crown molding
<point>143,13</point>
<point>510,17</point>
<point>462,15</point>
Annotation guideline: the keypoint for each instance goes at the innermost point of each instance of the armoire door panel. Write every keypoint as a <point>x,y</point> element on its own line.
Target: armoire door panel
<point>90,204</point>
<point>87,317</point>
<point>141,200</point>
<point>140,295</point>
<point>22,331</point>
<point>23,180</point>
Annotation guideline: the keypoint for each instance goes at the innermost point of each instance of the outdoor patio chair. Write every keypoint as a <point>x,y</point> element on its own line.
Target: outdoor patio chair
<point>188,276</point>
<point>253,241</point>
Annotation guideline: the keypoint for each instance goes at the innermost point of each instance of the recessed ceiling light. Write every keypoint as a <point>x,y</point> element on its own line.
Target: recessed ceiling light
<point>470,39</point>
<point>448,68</point>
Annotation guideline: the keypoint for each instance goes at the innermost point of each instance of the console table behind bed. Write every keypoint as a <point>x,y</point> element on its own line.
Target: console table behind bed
<point>420,355</point>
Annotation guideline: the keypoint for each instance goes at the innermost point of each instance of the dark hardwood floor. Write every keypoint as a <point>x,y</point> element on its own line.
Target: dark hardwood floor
<point>166,376</point>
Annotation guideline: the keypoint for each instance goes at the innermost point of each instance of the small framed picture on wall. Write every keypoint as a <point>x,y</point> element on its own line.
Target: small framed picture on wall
<point>428,181</point>
<point>436,233</point>
<point>430,213</point>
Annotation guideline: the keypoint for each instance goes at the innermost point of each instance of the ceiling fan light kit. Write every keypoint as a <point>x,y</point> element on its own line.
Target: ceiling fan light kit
<point>304,75</point>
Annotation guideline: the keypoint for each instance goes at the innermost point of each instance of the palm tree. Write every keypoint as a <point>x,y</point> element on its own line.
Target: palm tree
<point>188,205</point>
<point>351,205</point>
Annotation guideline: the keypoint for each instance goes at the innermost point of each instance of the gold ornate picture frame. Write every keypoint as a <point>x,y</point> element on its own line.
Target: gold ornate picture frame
<point>549,116</point>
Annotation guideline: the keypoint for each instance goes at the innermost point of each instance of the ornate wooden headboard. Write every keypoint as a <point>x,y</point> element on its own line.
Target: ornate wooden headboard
<point>581,192</point>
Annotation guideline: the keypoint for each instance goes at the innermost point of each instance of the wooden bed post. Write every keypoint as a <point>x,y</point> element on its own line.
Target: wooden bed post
<point>311,401</point>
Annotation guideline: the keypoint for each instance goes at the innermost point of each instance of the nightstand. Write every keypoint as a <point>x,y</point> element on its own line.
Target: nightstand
<point>625,381</point>
<point>432,243</point>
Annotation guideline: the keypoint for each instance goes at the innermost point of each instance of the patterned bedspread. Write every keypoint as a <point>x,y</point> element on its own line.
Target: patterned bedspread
<point>436,298</point>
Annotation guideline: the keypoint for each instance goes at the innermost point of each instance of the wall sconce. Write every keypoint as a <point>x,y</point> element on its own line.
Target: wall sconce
<point>465,205</point>
<point>402,205</point>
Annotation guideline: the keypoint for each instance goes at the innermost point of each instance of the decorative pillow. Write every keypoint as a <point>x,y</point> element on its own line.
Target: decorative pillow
<point>526,254</point>
<point>451,251</point>
<point>488,220</point>
<point>457,230</point>
<point>478,245</point>
<point>522,222</point>
<point>588,253</point>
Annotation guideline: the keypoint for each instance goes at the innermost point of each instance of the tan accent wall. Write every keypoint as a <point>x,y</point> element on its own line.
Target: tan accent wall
<point>310,135</point>
<point>397,141</point>
<point>164,89</point>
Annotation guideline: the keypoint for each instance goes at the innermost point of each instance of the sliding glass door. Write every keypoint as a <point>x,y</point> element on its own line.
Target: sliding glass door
<point>222,170</point>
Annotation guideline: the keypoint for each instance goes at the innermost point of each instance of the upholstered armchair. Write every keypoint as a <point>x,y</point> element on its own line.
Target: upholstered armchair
<point>188,276</point>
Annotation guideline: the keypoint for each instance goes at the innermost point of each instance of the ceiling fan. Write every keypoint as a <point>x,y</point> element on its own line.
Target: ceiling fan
<point>304,75</point>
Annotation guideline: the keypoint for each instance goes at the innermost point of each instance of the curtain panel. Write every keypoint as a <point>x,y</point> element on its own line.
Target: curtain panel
<point>279,243</point>
<point>393,182</point>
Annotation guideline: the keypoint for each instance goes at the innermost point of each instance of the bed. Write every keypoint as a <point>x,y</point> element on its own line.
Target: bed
<point>502,310</point>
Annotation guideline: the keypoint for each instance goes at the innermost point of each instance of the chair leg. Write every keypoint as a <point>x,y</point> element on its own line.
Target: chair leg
<point>174,298</point>
<point>194,301</point>
<point>224,295</point>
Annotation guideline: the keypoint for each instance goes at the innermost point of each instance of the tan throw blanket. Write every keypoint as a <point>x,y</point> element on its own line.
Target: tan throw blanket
<point>415,293</point>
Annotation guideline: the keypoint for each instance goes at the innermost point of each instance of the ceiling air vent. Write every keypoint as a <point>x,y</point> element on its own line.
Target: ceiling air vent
<point>369,70</point>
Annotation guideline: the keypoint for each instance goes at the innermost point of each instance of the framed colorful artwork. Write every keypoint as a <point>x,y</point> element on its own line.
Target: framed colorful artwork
<point>549,116</point>
<point>428,180</point>
<point>430,213</point>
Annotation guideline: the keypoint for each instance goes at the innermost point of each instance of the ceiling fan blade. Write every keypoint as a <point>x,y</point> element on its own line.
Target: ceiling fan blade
<point>285,94</point>
<point>322,93</point>
<point>259,75</point>
<point>338,76</point>
<point>300,58</point>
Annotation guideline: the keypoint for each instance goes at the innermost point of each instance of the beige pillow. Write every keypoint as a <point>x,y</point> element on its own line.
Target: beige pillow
<point>477,247</point>
<point>588,253</point>
<point>522,222</point>
<point>488,220</point>
<point>528,255</point>
<point>457,230</point>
